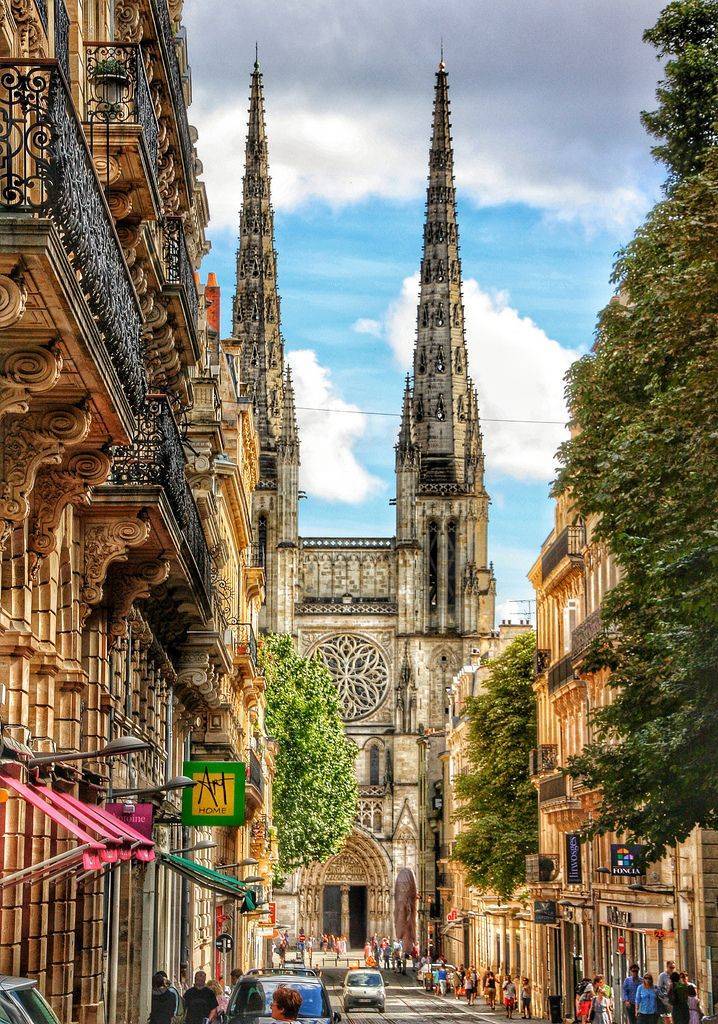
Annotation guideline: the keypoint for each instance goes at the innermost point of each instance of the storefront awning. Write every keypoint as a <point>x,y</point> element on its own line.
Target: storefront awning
<point>106,825</point>
<point>206,878</point>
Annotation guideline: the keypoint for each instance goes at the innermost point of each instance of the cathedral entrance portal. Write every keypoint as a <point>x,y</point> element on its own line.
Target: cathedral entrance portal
<point>357,916</point>
<point>332,910</point>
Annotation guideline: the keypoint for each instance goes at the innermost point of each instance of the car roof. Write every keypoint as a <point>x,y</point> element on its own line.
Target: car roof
<point>310,978</point>
<point>8,983</point>
<point>365,970</point>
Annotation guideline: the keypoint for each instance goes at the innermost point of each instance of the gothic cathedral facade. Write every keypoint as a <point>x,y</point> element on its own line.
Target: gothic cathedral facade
<point>393,617</point>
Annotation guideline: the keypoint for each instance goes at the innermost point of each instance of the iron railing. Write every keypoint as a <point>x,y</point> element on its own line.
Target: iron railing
<point>46,170</point>
<point>156,456</point>
<point>42,11</point>
<point>256,778</point>
<point>553,789</point>
<point>560,673</point>
<point>132,104</point>
<point>585,632</point>
<point>542,759</point>
<point>166,39</point>
<point>178,266</point>
<point>569,543</point>
<point>62,38</point>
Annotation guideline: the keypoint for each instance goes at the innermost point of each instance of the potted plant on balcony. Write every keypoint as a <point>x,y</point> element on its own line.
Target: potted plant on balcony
<point>111,78</point>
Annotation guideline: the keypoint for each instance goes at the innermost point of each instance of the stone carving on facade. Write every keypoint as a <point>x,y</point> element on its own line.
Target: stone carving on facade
<point>133,586</point>
<point>30,442</point>
<point>359,671</point>
<point>128,21</point>
<point>195,673</point>
<point>106,541</point>
<point>27,371</point>
<point>32,34</point>
<point>13,299</point>
<point>55,489</point>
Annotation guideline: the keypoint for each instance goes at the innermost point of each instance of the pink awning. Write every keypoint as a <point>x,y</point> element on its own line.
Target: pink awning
<point>133,843</point>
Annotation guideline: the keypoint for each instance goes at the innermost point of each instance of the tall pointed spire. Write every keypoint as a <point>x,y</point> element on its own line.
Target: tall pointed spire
<point>406,450</point>
<point>256,318</point>
<point>442,394</point>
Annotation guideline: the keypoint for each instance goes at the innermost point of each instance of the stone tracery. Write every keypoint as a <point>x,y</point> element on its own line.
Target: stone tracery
<point>359,671</point>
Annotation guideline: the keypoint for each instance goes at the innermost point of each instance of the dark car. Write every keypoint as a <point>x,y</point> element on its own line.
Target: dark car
<point>21,1003</point>
<point>251,999</point>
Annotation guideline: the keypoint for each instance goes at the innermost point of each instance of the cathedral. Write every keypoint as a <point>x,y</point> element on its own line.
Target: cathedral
<point>394,618</point>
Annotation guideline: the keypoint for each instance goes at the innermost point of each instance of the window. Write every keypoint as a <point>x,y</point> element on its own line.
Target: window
<point>433,567</point>
<point>451,567</point>
<point>374,766</point>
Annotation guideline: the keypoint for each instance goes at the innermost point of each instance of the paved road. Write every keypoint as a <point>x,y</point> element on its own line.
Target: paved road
<point>407,1002</point>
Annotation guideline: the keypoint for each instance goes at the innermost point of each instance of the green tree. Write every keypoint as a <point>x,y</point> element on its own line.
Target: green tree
<point>497,801</point>
<point>315,791</point>
<point>687,114</point>
<point>643,460</point>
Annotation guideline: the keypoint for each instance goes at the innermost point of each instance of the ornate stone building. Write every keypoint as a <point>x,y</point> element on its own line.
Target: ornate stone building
<point>393,617</point>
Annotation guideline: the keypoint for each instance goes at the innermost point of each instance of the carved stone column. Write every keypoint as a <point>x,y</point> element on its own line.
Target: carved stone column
<point>345,910</point>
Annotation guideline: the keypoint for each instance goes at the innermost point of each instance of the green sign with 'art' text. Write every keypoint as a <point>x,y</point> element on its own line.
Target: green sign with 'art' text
<point>217,797</point>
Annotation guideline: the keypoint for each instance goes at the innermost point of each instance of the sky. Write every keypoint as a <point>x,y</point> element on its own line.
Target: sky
<point>553,173</point>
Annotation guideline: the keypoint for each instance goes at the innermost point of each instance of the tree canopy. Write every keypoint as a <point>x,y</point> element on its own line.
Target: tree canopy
<point>315,791</point>
<point>644,460</point>
<point>497,801</point>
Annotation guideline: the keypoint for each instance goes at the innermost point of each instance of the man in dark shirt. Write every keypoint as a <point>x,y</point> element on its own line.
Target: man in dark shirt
<point>199,1001</point>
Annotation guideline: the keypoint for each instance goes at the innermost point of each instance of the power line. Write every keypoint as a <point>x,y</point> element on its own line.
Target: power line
<point>397,416</point>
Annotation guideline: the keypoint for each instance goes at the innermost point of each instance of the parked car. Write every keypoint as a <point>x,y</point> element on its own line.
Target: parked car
<point>290,968</point>
<point>251,999</point>
<point>22,1003</point>
<point>363,987</point>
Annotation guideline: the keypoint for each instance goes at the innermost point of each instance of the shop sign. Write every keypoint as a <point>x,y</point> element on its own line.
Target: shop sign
<point>139,816</point>
<point>545,912</point>
<point>574,873</point>
<point>452,915</point>
<point>628,859</point>
<point>217,797</point>
<point>619,918</point>
<point>272,908</point>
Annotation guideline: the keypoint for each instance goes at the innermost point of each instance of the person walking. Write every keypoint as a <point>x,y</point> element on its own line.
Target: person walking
<point>526,999</point>
<point>509,990</point>
<point>178,1011</point>
<point>163,1007</point>
<point>490,990</point>
<point>458,980</point>
<point>678,996</point>
<point>470,982</point>
<point>599,1011</point>
<point>628,993</point>
<point>218,1014</point>
<point>199,1000</point>
<point>647,1005</point>
<point>442,979</point>
<point>695,1010</point>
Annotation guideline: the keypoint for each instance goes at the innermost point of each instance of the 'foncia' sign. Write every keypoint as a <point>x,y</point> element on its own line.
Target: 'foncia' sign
<point>217,797</point>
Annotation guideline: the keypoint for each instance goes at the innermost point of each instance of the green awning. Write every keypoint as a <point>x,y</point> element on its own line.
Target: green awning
<point>206,878</point>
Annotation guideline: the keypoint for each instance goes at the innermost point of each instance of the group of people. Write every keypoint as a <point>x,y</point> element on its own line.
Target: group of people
<point>334,944</point>
<point>672,996</point>
<point>202,1001</point>
<point>383,953</point>
<point>512,990</point>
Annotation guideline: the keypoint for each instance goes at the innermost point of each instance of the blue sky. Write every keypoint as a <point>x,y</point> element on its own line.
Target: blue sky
<point>553,173</point>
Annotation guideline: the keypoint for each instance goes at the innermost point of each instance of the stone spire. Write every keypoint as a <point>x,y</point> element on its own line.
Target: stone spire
<point>256,319</point>
<point>406,451</point>
<point>288,446</point>
<point>442,395</point>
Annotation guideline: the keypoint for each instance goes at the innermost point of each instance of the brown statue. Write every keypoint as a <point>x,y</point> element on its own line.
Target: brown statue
<point>405,897</point>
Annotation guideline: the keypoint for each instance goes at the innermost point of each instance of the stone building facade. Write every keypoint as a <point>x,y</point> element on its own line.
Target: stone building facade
<point>393,617</point>
<point>128,595</point>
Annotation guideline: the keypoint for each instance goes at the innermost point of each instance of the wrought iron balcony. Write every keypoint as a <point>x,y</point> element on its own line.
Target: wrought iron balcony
<point>62,38</point>
<point>585,632</point>
<point>180,273</point>
<point>255,777</point>
<point>542,660</point>
<point>560,672</point>
<point>157,457</point>
<point>541,867</point>
<point>543,759</point>
<point>119,93</point>
<point>166,40</point>
<point>244,641</point>
<point>46,171</point>
<point>555,788</point>
<point>568,544</point>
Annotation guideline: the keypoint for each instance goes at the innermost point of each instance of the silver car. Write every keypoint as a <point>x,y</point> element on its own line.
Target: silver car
<point>22,1003</point>
<point>363,987</point>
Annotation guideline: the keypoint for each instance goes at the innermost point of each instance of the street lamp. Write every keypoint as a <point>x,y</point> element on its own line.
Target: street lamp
<point>120,745</point>
<point>176,782</point>
<point>659,888</point>
<point>203,844</point>
<point>248,862</point>
<point>251,880</point>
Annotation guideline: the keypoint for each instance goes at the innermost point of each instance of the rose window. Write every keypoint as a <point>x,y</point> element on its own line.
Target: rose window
<point>359,671</point>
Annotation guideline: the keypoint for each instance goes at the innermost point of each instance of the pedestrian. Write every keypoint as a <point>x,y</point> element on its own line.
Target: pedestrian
<point>178,1011</point>
<point>599,1010</point>
<point>470,982</point>
<point>458,980</point>
<point>628,993</point>
<point>286,1003</point>
<point>443,979</point>
<point>163,1007</point>
<point>526,999</point>
<point>234,975</point>
<point>490,990</point>
<point>647,1006</point>
<point>218,1014</point>
<point>386,953</point>
<point>584,1000</point>
<point>678,994</point>
<point>509,990</point>
<point>695,1010</point>
<point>599,985</point>
<point>301,943</point>
<point>199,1000</point>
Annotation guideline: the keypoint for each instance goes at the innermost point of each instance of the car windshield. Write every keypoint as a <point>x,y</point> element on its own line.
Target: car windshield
<point>253,999</point>
<point>366,979</point>
<point>21,1004</point>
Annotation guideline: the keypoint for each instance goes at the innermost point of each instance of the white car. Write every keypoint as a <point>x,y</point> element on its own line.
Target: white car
<point>363,987</point>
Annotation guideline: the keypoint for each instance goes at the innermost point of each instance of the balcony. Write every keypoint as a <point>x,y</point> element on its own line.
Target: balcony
<point>568,545</point>
<point>254,785</point>
<point>168,48</point>
<point>543,759</point>
<point>555,788</point>
<point>156,458</point>
<point>56,218</point>
<point>585,632</point>
<point>180,287</point>
<point>542,660</point>
<point>541,867</point>
<point>245,653</point>
<point>560,673</point>
<point>122,126</point>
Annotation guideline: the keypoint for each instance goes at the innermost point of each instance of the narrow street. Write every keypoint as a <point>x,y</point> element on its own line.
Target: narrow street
<point>406,1001</point>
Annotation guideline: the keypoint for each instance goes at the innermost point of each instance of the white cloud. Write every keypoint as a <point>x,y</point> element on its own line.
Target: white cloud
<point>329,468</point>
<point>364,325</point>
<point>517,368</point>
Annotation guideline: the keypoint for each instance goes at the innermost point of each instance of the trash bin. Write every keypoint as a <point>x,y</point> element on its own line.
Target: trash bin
<point>555,1010</point>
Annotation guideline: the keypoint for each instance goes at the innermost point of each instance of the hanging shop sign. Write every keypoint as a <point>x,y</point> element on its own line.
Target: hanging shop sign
<point>574,873</point>
<point>217,797</point>
<point>545,912</point>
<point>272,910</point>
<point>628,859</point>
<point>139,816</point>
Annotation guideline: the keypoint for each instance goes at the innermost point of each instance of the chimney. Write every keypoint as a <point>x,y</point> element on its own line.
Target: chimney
<point>212,299</point>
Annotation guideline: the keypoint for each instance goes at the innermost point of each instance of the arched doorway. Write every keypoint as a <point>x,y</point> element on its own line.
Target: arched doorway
<point>349,894</point>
